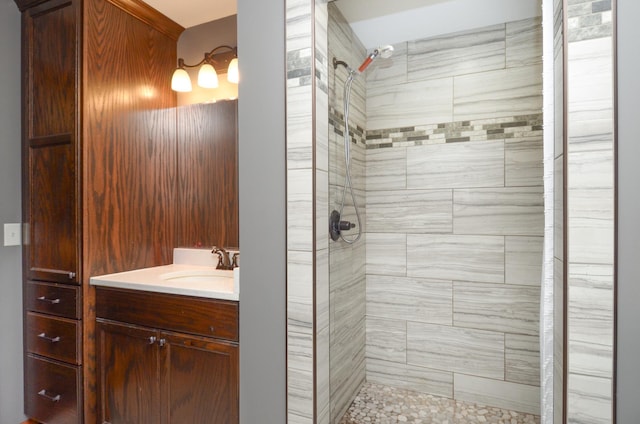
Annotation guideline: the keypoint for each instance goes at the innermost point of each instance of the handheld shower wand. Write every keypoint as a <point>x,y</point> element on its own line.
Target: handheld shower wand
<point>336,224</point>
<point>384,52</point>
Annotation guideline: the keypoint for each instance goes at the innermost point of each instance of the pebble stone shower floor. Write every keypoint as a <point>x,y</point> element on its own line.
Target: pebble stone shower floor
<point>377,404</point>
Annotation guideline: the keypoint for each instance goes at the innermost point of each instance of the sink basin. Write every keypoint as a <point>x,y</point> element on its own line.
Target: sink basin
<point>199,276</point>
<point>181,277</point>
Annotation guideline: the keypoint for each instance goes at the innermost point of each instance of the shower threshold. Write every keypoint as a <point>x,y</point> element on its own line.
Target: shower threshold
<point>378,404</point>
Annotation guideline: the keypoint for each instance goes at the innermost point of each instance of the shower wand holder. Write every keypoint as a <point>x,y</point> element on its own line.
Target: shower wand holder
<point>336,226</point>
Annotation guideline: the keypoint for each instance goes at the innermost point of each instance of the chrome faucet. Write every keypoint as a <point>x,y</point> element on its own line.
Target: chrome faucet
<point>224,260</point>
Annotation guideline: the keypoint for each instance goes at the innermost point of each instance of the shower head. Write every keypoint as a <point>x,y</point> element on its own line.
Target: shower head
<point>384,51</point>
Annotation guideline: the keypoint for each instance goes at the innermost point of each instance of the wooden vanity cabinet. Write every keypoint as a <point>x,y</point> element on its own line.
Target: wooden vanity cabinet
<point>149,372</point>
<point>98,144</point>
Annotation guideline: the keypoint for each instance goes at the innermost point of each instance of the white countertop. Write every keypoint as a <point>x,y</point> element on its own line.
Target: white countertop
<point>178,278</point>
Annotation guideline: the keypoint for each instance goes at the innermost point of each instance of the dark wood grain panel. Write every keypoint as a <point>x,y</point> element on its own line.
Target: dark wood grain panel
<point>55,299</point>
<point>193,315</point>
<point>56,379</point>
<point>52,215</point>
<point>52,68</point>
<point>130,153</point>
<point>201,380</point>
<point>208,175</point>
<point>150,16</point>
<point>53,337</point>
<point>129,383</point>
<point>129,156</point>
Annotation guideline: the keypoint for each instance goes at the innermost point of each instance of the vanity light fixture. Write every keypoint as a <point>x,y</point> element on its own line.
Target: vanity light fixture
<point>207,75</point>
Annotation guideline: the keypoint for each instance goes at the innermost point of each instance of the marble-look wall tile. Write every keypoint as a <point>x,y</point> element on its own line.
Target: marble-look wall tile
<point>590,235</point>
<point>409,211</point>
<point>386,339</point>
<point>410,377</point>
<point>558,97</point>
<point>591,303</point>
<point>499,211</point>
<point>322,131</point>
<point>300,396</point>
<point>386,254</point>
<point>513,91</point>
<point>298,17</point>
<point>386,169</point>
<point>522,359</point>
<point>392,70</point>
<point>588,399</point>
<point>523,260</point>
<point>558,339</point>
<point>465,350</point>
<point>411,299</point>
<point>590,359</point>
<point>590,89</point>
<point>459,53</point>
<point>300,288</point>
<point>300,209</point>
<point>456,165</point>
<point>322,289</point>
<point>347,366</point>
<point>503,394</point>
<point>524,42</point>
<point>409,104</point>
<point>497,307</point>
<point>299,346</point>
<point>456,257</point>
<point>322,208</point>
<point>523,161</point>
<point>558,207</point>
<point>590,160</point>
<point>322,375</point>
<point>299,133</point>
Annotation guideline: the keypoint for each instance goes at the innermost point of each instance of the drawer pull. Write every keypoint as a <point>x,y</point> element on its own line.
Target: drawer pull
<point>152,339</point>
<point>44,394</point>
<point>49,339</point>
<point>72,275</point>
<point>162,342</point>
<point>51,301</point>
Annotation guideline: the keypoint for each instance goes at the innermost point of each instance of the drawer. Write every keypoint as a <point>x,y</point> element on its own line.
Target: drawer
<point>185,314</point>
<point>57,338</point>
<point>55,299</point>
<point>52,391</point>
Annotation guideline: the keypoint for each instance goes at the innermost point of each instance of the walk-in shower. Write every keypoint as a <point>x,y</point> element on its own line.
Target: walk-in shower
<point>336,225</point>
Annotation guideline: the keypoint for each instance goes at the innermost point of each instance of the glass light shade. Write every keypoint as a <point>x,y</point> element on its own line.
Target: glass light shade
<point>232,72</point>
<point>181,81</point>
<point>207,76</point>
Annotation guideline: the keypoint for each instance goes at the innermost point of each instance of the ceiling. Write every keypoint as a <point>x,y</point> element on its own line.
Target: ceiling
<point>189,13</point>
<point>379,22</point>
<point>360,10</point>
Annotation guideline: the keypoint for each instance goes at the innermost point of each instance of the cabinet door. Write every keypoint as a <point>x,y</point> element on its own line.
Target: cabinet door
<point>200,380</point>
<point>128,379</point>
<point>50,204</point>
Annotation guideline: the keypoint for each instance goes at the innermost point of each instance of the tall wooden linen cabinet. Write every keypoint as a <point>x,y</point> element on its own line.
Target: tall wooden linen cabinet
<point>99,155</point>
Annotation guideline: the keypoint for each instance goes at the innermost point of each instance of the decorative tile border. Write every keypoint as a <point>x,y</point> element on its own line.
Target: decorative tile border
<point>455,132</point>
<point>336,121</point>
<point>589,19</point>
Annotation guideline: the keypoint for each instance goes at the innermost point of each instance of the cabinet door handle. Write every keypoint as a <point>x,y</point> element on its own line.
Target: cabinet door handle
<point>44,394</point>
<point>152,339</point>
<point>162,342</point>
<point>51,301</point>
<point>49,339</point>
<point>72,275</point>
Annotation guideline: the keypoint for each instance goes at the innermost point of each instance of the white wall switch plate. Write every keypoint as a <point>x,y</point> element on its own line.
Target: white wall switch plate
<point>12,234</point>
